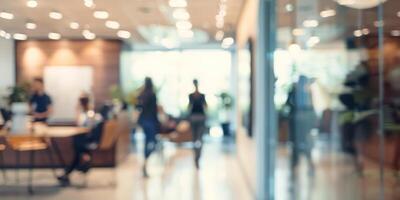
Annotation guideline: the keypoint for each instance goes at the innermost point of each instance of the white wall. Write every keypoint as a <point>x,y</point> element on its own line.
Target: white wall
<point>7,64</point>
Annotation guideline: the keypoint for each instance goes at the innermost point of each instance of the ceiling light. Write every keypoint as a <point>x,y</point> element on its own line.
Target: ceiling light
<point>379,24</point>
<point>227,42</point>
<point>6,15</point>
<point>183,25</point>
<point>178,3</point>
<point>74,25</point>
<point>312,41</point>
<point>398,14</point>
<point>54,36</point>
<point>32,3</point>
<point>289,7</point>
<point>219,35</point>
<point>395,33</point>
<point>89,3</point>
<point>30,25</point>
<point>181,14</point>
<point>364,4</point>
<point>124,34</point>
<point>186,33</point>
<point>55,15</point>
<point>100,14</point>
<point>3,33</point>
<point>88,35</point>
<point>365,31</point>
<point>328,13</point>
<point>20,36</point>
<point>298,32</point>
<point>112,24</point>
<point>311,23</point>
<point>358,33</point>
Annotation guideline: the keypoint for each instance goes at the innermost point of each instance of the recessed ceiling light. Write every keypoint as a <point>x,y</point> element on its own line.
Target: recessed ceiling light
<point>124,34</point>
<point>3,33</point>
<point>298,32</point>
<point>54,36</point>
<point>112,24</point>
<point>219,35</point>
<point>358,33</point>
<point>395,33</point>
<point>30,25</point>
<point>89,3</point>
<point>379,24</point>
<point>6,15</point>
<point>20,36</point>
<point>289,7</point>
<point>183,25</point>
<point>55,15</point>
<point>100,14</point>
<point>312,41</point>
<point>88,35</point>
<point>181,14</point>
<point>74,25</point>
<point>31,3</point>
<point>312,23</point>
<point>227,42</point>
<point>178,3</point>
<point>328,13</point>
<point>365,31</point>
<point>7,36</point>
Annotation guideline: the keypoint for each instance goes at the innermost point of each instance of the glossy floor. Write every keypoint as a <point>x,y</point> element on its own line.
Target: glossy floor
<point>172,177</point>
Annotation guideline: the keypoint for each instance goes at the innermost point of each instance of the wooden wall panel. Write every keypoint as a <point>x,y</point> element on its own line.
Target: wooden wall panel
<point>102,55</point>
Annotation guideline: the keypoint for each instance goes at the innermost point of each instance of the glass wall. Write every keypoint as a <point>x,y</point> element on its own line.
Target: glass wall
<point>173,73</point>
<point>336,64</point>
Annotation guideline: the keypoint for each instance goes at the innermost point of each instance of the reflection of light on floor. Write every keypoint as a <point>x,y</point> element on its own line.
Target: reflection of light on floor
<point>216,132</point>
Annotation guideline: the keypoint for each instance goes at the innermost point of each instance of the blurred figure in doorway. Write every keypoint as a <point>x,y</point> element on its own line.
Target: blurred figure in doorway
<point>302,120</point>
<point>148,119</point>
<point>40,103</point>
<point>197,118</point>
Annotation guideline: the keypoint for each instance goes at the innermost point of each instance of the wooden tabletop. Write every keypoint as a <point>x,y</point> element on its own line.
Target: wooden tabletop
<point>52,131</point>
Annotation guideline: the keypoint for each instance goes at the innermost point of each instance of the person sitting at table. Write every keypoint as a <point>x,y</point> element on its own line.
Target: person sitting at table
<point>40,103</point>
<point>84,144</point>
<point>86,116</point>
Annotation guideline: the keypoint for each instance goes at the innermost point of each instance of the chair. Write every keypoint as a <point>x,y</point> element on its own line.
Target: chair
<point>111,132</point>
<point>30,144</point>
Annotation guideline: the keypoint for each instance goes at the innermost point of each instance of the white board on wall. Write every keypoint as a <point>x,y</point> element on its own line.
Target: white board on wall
<point>65,84</point>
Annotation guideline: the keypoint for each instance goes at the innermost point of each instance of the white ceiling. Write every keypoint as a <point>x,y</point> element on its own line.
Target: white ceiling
<point>131,14</point>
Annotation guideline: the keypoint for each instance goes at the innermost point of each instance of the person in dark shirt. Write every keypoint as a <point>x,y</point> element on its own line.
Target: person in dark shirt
<point>148,119</point>
<point>40,102</point>
<point>197,109</point>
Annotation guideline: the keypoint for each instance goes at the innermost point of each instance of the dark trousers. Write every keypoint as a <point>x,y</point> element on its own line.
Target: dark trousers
<point>198,125</point>
<point>80,147</point>
<point>150,131</point>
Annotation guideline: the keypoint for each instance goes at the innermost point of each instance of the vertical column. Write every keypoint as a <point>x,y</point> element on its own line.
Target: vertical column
<point>265,116</point>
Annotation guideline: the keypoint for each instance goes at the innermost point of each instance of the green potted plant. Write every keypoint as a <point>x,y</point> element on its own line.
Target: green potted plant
<point>18,100</point>
<point>226,105</point>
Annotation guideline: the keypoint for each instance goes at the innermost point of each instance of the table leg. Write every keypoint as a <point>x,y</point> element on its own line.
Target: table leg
<point>58,152</point>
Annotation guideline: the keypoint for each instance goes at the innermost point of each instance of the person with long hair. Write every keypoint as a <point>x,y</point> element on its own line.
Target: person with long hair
<point>148,120</point>
<point>197,118</point>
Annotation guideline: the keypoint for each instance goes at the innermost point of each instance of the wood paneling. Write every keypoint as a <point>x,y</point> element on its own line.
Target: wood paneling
<point>102,55</point>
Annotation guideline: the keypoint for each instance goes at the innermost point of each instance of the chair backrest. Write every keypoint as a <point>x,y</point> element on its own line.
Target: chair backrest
<point>112,130</point>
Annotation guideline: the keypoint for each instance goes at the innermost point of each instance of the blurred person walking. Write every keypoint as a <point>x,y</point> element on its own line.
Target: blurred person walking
<point>148,119</point>
<point>197,118</point>
<point>302,120</point>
